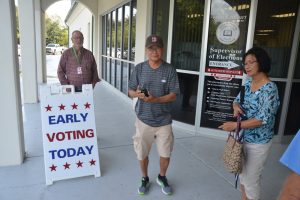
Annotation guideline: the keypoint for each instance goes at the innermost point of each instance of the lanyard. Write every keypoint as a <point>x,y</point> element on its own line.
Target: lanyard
<point>76,56</point>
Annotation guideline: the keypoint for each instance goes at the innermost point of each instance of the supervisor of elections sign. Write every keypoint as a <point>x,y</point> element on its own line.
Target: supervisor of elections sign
<point>69,133</point>
<point>223,76</point>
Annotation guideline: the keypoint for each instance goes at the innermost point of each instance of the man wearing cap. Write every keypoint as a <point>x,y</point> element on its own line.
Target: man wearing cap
<point>155,84</point>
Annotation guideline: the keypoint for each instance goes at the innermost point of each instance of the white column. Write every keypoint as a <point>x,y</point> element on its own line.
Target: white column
<point>28,44</point>
<point>143,27</point>
<point>95,40</point>
<point>40,45</point>
<point>44,47</point>
<point>11,134</point>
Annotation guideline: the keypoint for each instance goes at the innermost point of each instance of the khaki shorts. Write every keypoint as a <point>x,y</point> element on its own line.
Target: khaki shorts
<point>255,159</point>
<point>145,135</point>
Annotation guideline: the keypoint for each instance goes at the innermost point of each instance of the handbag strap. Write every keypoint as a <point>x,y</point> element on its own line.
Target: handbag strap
<point>238,136</point>
<point>242,94</point>
<point>236,179</point>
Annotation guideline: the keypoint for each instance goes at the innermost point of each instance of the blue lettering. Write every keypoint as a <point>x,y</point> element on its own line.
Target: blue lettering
<point>80,151</point>
<point>52,153</point>
<point>75,118</point>
<point>71,152</point>
<point>84,116</point>
<point>60,119</point>
<point>52,119</point>
<point>89,149</point>
<point>69,118</point>
<point>61,153</point>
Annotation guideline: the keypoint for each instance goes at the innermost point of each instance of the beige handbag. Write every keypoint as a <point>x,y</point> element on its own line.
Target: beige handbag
<point>233,151</point>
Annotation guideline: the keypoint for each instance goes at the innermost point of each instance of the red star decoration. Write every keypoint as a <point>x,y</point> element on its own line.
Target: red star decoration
<point>74,106</point>
<point>53,168</point>
<point>67,165</point>
<point>87,105</point>
<point>93,162</point>
<point>48,108</point>
<point>62,107</point>
<point>79,164</point>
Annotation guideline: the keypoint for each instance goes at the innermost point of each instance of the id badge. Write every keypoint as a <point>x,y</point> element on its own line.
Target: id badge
<point>79,70</point>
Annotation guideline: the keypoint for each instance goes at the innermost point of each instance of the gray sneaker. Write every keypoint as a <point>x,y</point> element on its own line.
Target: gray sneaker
<point>143,189</point>
<point>163,183</point>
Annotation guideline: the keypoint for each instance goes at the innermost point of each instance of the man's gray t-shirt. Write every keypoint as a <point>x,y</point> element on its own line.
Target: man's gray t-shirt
<point>158,82</point>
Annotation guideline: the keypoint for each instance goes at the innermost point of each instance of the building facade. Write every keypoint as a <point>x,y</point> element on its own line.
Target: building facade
<point>80,18</point>
<point>204,40</point>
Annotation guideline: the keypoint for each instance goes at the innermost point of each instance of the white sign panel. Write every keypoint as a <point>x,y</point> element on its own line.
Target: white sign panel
<point>69,133</point>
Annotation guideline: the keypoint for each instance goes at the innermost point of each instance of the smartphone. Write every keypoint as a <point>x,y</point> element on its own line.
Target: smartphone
<point>145,91</point>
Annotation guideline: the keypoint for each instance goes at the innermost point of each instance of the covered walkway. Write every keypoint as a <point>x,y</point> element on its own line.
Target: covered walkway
<point>196,171</point>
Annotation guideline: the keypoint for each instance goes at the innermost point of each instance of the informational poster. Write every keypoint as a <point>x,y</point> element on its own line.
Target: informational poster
<point>225,49</point>
<point>69,133</point>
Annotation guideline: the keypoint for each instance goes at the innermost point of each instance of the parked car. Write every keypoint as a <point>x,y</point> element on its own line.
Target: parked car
<point>54,48</point>
<point>118,52</point>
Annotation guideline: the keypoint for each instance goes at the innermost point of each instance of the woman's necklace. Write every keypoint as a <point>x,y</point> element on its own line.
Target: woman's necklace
<point>256,85</point>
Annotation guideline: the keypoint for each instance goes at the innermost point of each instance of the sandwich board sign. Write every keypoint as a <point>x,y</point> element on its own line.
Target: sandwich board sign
<point>69,133</point>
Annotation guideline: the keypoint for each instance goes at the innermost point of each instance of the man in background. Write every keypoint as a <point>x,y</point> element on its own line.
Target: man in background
<point>77,65</point>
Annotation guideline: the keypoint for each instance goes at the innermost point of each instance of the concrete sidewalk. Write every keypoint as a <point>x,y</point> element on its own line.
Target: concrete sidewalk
<point>196,171</point>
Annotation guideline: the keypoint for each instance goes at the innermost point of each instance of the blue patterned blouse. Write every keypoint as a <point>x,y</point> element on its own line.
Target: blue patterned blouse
<point>262,105</point>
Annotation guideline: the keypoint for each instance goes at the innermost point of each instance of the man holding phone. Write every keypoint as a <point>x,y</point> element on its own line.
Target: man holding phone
<point>155,84</point>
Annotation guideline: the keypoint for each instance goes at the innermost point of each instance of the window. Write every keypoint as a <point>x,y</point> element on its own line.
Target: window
<point>297,68</point>
<point>187,34</point>
<point>292,121</point>
<point>118,48</point>
<point>186,48</point>
<point>184,108</point>
<point>161,21</point>
<point>274,31</point>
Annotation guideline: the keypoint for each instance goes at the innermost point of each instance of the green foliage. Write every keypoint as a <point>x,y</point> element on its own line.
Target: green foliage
<point>55,32</point>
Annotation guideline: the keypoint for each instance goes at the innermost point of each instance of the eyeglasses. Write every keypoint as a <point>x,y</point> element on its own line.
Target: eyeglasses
<point>249,63</point>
